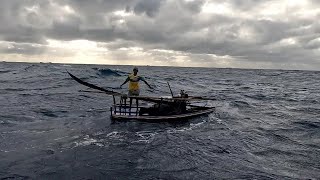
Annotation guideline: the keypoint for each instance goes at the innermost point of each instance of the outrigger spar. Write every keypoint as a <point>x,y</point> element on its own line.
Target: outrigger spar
<point>164,108</point>
<point>109,92</point>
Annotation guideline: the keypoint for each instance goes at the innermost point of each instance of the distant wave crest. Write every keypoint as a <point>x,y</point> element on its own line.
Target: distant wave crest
<point>109,72</point>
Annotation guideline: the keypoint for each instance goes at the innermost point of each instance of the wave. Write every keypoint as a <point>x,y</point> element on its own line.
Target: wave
<point>7,123</point>
<point>270,152</point>
<point>169,79</point>
<point>109,72</point>
<point>13,89</point>
<point>4,71</point>
<point>12,120</point>
<point>238,103</point>
<point>258,96</point>
<point>15,176</point>
<point>271,74</point>
<point>87,141</point>
<point>49,113</point>
<point>308,125</point>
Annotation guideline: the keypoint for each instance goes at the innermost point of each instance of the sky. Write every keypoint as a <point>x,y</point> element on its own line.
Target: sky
<point>260,34</point>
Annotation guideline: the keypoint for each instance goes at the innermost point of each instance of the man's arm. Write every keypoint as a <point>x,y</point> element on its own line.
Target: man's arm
<point>142,79</point>
<point>125,82</point>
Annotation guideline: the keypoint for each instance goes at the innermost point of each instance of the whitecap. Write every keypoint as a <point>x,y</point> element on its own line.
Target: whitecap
<point>88,141</point>
<point>145,136</point>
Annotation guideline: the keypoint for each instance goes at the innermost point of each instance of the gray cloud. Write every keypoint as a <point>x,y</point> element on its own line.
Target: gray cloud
<point>179,26</point>
<point>246,5</point>
<point>22,48</point>
<point>149,7</point>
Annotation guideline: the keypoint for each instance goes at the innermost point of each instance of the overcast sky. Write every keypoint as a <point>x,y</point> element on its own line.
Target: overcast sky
<point>282,34</point>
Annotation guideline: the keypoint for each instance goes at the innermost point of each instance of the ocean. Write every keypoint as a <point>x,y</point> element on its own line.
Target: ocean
<point>266,125</point>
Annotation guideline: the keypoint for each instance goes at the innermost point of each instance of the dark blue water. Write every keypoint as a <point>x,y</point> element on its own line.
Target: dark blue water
<point>266,126</point>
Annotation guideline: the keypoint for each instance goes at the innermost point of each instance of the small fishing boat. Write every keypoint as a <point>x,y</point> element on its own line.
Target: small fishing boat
<point>160,109</point>
<point>153,108</point>
<point>119,112</point>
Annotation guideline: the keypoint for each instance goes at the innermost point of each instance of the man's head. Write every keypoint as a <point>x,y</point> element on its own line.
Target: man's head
<point>135,70</point>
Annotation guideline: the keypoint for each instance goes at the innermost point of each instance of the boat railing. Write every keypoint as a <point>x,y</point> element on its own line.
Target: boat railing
<point>124,107</point>
<point>124,110</point>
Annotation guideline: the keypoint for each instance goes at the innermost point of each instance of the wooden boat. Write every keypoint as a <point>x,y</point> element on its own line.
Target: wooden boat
<point>177,107</point>
<point>119,112</point>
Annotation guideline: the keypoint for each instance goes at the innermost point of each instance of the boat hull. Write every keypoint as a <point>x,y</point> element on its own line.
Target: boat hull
<point>127,116</point>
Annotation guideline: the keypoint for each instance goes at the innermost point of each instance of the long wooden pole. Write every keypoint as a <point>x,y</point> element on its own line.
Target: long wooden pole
<point>170,89</point>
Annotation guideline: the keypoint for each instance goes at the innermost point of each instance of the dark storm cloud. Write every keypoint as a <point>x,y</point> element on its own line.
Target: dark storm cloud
<point>149,7</point>
<point>166,24</point>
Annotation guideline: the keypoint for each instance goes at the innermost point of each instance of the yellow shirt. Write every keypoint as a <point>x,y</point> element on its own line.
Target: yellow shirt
<point>134,82</point>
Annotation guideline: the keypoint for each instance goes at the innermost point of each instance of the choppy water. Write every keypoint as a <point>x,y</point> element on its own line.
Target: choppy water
<point>267,125</point>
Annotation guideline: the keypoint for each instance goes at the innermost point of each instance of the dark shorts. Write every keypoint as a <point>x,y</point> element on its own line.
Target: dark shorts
<point>134,92</point>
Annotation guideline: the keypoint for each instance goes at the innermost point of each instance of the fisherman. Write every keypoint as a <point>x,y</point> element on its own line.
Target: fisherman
<point>134,78</point>
<point>134,88</point>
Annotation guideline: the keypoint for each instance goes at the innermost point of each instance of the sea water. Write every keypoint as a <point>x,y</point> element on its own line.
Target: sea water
<point>266,125</point>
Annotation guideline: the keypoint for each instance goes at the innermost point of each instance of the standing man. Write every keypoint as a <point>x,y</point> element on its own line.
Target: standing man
<point>134,78</point>
<point>134,88</point>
